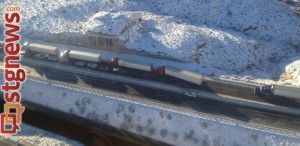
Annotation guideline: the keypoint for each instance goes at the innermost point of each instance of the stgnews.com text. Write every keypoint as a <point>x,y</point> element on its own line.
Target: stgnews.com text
<point>14,75</point>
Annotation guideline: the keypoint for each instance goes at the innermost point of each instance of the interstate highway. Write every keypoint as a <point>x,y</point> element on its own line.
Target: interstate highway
<point>235,94</point>
<point>199,105</point>
<point>165,115</point>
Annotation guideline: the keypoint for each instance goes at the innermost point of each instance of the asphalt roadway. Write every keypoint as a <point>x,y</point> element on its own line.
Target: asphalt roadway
<point>123,85</point>
<point>212,90</point>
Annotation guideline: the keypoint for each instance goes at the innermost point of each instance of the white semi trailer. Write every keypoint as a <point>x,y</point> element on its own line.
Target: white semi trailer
<point>41,51</point>
<point>184,75</point>
<point>81,58</point>
<point>85,56</point>
<point>279,90</point>
<point>50,50</point>
<point>135,65</point>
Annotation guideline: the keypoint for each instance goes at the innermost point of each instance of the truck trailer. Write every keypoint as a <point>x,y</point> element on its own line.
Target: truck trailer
<point>41,48</point>
<point>85,56</point>
<point>184,75</point>
<point>278,90</point>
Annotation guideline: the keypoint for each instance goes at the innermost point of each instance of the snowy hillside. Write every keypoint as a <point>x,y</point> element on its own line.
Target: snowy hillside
<point>33,136</point>
<point>254,41</point>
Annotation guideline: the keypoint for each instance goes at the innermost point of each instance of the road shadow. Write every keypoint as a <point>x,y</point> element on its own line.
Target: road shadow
<point>104,84</point>
<point>80,80</point>
<point>56,75</point>
<point>282,101</point>
<point>193,104</point>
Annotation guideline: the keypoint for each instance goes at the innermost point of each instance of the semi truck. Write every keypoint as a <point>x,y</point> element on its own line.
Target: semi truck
<point>278,90</point>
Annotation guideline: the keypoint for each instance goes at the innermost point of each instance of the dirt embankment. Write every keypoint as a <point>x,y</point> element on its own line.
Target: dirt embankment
<point>99,41</point>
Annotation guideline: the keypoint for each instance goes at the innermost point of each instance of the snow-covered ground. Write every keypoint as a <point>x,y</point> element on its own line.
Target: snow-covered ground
<point>253,41</point>
<point>35,136</point>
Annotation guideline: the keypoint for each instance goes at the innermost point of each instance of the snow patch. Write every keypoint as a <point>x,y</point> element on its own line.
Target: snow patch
<point>291,74</point>
<point>124,26</point>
